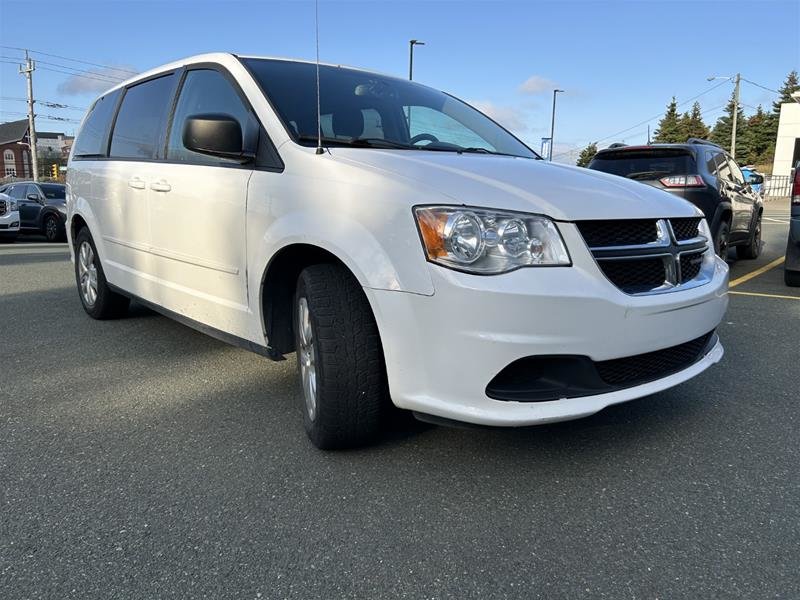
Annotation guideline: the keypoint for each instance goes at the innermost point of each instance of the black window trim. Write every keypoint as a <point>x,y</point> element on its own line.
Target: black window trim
<point>265,144</point>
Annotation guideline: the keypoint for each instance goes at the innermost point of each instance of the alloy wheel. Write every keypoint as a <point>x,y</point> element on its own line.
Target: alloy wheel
<point>308,369</point>
<point>87,274</point>
<point>51,228</point>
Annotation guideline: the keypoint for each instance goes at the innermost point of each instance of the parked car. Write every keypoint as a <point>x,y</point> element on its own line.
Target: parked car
<point>791,267</point>
<point>9,219</point>
<point>42,208</point>
<point>413,253</point>
<point>705,175</point>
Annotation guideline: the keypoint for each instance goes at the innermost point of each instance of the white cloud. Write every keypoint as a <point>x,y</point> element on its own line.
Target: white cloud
<point>509,117</point>
<point>536,85</point>
<point>99,80</point>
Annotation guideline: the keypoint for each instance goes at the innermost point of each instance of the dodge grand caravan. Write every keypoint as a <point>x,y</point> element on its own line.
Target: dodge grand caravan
<point>406,247</point>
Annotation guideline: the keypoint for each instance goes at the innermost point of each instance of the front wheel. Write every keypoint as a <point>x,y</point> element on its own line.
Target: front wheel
<point>753,249</point>
<point>98,300</point>
<point>340,359</point>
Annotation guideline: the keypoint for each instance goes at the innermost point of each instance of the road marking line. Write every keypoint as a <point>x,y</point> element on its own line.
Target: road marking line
<point>765,295</point>
<point>757,272</point>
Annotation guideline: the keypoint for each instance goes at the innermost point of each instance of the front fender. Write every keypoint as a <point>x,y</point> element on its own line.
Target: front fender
<point>390,266</point>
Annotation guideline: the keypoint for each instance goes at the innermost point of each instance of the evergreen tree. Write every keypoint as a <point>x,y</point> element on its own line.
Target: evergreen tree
<point>692,125</point>
<point>586,155</point>
<point>669,127</point>
<point>758,144</point>
<point>721,133</point>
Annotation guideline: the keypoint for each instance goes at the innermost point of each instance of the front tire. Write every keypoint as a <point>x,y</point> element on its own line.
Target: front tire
<point>97,298</point>
<point>753,249</point>
<point>340,359</point>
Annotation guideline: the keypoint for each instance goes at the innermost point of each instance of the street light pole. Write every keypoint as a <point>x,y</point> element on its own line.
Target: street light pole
<point>737,81</point>
<point>735,115</point>
<point>411,44</point>
<point>553,125</point>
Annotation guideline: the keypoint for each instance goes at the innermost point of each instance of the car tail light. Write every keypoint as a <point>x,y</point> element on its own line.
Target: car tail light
<point>681,181</point>
<point>796,188</point>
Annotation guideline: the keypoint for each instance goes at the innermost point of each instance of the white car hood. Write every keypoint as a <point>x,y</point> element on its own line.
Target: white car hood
<point>562,192</point>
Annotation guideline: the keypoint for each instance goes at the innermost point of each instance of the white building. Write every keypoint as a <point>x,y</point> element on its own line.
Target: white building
<point>787,146</point>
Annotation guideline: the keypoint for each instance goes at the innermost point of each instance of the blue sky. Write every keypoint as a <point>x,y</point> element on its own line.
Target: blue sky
<point>619,62</point>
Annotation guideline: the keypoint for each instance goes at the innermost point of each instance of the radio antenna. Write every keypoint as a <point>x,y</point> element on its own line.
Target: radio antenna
<point>319,108</point>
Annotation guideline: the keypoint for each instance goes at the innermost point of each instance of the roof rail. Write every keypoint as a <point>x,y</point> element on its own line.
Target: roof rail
<point>617,145</point>
<point>693,140</point>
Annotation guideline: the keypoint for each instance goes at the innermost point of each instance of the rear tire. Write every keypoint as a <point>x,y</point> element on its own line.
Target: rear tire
<point>52,228</point>
<point>753,249</point>
<point>340,359</point>
<point>721,240</point>
<point>97,298</point>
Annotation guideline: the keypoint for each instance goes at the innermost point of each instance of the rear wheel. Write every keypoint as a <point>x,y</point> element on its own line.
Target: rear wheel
<point>340,359</point>
<point>753,249</point>
<point>721,240</point>
<point>98,300</point>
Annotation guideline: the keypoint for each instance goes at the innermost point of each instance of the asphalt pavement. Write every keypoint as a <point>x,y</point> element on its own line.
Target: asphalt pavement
<point>141,459</point>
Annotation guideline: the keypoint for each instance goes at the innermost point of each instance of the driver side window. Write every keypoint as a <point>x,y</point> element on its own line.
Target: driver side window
<point>204,91</point>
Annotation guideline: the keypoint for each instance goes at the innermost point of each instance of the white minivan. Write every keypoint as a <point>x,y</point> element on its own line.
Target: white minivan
<point>409,249</point>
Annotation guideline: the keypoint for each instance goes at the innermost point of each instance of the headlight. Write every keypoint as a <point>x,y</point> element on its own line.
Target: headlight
<point>12,205</point>
<point>489,242</point>
<point>704,230</point>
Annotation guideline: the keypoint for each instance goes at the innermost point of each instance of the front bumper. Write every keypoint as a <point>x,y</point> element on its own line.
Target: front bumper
<point>442,350</point>
<point>9,223</point>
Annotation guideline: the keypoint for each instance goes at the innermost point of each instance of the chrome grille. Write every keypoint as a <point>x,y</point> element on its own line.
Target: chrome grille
<point>647,256</point>
<point>3,207</point>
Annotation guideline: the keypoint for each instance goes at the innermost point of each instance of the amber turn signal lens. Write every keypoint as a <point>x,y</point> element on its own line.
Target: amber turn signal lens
<point>431,226</point>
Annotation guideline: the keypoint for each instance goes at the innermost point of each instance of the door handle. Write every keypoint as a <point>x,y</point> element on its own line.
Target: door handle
<point>136,183</point>
<point>160,186</point>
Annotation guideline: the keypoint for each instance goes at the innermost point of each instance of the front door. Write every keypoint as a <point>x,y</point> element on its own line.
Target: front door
<point>29,208</point>
<point>198,207</point>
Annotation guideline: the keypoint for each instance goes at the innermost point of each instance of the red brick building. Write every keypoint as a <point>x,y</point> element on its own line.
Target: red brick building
<point>14,150</point>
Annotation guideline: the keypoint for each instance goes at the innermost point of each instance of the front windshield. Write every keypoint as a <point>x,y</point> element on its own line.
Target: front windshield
<point>368,110</point>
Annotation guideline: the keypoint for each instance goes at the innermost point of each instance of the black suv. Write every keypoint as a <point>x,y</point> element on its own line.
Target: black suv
<point>705,175</point>
<point>42,208</point>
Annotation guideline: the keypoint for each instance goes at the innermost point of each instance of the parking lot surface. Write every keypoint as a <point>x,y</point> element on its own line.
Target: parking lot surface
<point>140,459</point>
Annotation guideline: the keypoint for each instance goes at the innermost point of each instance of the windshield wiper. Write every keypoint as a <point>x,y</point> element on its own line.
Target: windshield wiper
<point>357,142</point>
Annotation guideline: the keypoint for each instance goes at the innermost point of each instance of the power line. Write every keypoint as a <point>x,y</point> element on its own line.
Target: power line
<point>84,62</point>
<point>763,87</point>
<point>658,116</point>
<point>47,103</point>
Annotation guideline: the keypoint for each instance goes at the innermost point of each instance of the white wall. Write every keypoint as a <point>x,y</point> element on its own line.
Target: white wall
<point>788,132</point>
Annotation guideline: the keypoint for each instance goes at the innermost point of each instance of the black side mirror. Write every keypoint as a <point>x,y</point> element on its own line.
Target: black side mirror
<point>34,197</point>
<point>217,135</point>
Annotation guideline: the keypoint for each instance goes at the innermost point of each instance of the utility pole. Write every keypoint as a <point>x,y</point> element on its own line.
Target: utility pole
<point>735,114</point>
<point>553,124</point>
<point>411,44</point>
<point>30,67</point>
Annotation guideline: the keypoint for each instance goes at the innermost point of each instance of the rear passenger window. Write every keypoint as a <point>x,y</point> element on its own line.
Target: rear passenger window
<point>204,91</point>
<point>93,136</point>
<point>141,119</point>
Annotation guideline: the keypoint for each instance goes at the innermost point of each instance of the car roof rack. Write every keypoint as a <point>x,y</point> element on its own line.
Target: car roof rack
<point>694,140</point>
<point>616,145</point>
